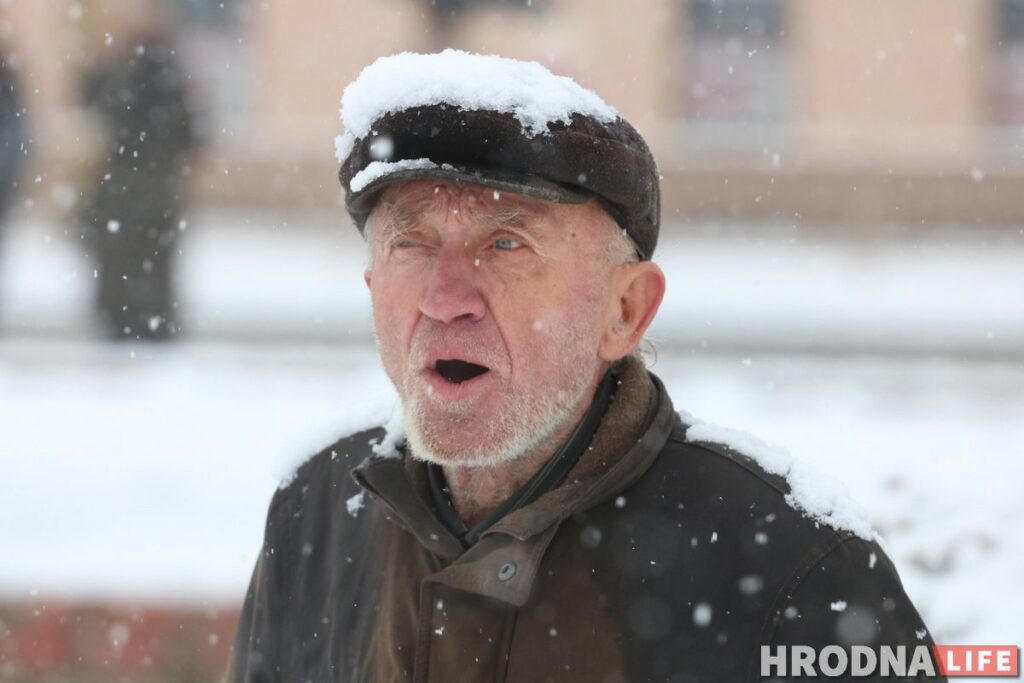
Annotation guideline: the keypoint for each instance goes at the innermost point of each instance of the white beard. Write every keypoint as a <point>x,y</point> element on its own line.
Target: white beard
<point>524,428</point>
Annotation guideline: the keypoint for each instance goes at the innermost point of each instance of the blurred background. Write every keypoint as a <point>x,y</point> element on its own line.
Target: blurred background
<point>182,317</point>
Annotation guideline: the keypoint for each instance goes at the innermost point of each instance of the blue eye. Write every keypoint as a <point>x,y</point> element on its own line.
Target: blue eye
<point>506,244</point>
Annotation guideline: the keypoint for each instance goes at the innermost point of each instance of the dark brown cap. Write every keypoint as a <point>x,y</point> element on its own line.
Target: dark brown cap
<point>571,162</point>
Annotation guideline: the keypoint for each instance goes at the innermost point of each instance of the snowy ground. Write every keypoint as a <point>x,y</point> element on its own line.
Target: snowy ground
<point>129,470</point>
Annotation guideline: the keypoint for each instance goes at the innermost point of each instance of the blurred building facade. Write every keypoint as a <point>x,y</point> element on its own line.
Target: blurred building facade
<point>785,110</point>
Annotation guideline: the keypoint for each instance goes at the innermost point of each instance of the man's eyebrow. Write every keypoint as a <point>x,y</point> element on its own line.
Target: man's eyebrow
<point>516,216</point>
<point>394,219</point>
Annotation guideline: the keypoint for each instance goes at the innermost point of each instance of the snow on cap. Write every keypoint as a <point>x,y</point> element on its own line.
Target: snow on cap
<point>497,122</point>
<point>535,96</point>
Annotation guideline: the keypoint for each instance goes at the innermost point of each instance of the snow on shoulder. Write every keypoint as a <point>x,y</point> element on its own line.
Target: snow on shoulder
<point>367,417</point>
<point>813,493</point>
<point>394,436</point>
<point>472,82</point>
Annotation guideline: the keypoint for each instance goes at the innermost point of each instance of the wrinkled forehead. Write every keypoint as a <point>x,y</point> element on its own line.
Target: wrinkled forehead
<point>405,204</point>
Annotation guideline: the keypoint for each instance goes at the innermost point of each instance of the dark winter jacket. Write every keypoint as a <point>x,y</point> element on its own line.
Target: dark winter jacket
<point>657,560</point>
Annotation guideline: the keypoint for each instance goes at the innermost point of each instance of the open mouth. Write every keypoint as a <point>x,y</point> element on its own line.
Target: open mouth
<point>458,371</point>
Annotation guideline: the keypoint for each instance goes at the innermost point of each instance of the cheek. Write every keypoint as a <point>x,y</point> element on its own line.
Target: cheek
<point>394,313</point>
<point>565,318</point>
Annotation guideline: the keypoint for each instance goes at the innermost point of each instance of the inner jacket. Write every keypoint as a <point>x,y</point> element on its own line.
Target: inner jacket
<point>657,559</point>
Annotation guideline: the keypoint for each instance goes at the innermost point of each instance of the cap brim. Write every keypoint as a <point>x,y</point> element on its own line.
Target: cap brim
<point>362,202</point>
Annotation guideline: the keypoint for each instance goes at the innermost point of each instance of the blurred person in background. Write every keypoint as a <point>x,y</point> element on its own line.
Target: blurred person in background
<point>132,213</point>
<point>12,132</point>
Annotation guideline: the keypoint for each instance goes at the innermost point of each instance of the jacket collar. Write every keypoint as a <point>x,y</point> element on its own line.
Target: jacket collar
<point>400,484</point>
<point>634,429</point>
<point>632,433</point>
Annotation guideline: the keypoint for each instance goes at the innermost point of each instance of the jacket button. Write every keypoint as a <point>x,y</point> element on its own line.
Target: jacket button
<point>507,571</point>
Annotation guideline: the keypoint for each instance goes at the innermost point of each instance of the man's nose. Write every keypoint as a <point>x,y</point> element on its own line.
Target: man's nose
<point>452,290</point>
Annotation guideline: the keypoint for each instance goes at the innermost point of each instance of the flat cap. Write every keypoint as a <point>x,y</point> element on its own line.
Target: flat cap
<point>496,122</point>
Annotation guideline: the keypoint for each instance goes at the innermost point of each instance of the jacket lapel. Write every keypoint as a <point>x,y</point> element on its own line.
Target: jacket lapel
<point>390,482</point>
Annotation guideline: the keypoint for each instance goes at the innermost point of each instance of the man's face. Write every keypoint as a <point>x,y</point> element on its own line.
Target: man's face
<point>489,309</point>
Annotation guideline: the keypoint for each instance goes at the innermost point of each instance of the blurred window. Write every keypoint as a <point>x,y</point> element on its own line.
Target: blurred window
<point>225,12</point>
<point>453,8</point>
<point>737,62</point>
<point>1008,72</point>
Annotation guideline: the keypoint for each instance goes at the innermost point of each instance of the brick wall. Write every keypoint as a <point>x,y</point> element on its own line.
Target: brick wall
<point>52,640</point>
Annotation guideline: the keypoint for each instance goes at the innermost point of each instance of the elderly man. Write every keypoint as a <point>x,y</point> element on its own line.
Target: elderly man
<point>544,514</point>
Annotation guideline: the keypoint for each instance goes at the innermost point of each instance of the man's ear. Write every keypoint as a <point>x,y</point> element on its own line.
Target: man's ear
<point>637,291</point>
<point>367,276</point>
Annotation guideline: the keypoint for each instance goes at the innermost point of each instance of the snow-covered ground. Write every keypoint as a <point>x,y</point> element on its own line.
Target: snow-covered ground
<point>133,470</point>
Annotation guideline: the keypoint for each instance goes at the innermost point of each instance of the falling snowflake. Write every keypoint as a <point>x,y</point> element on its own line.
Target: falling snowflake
<point>356,503</point>
<point>701,614</point>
